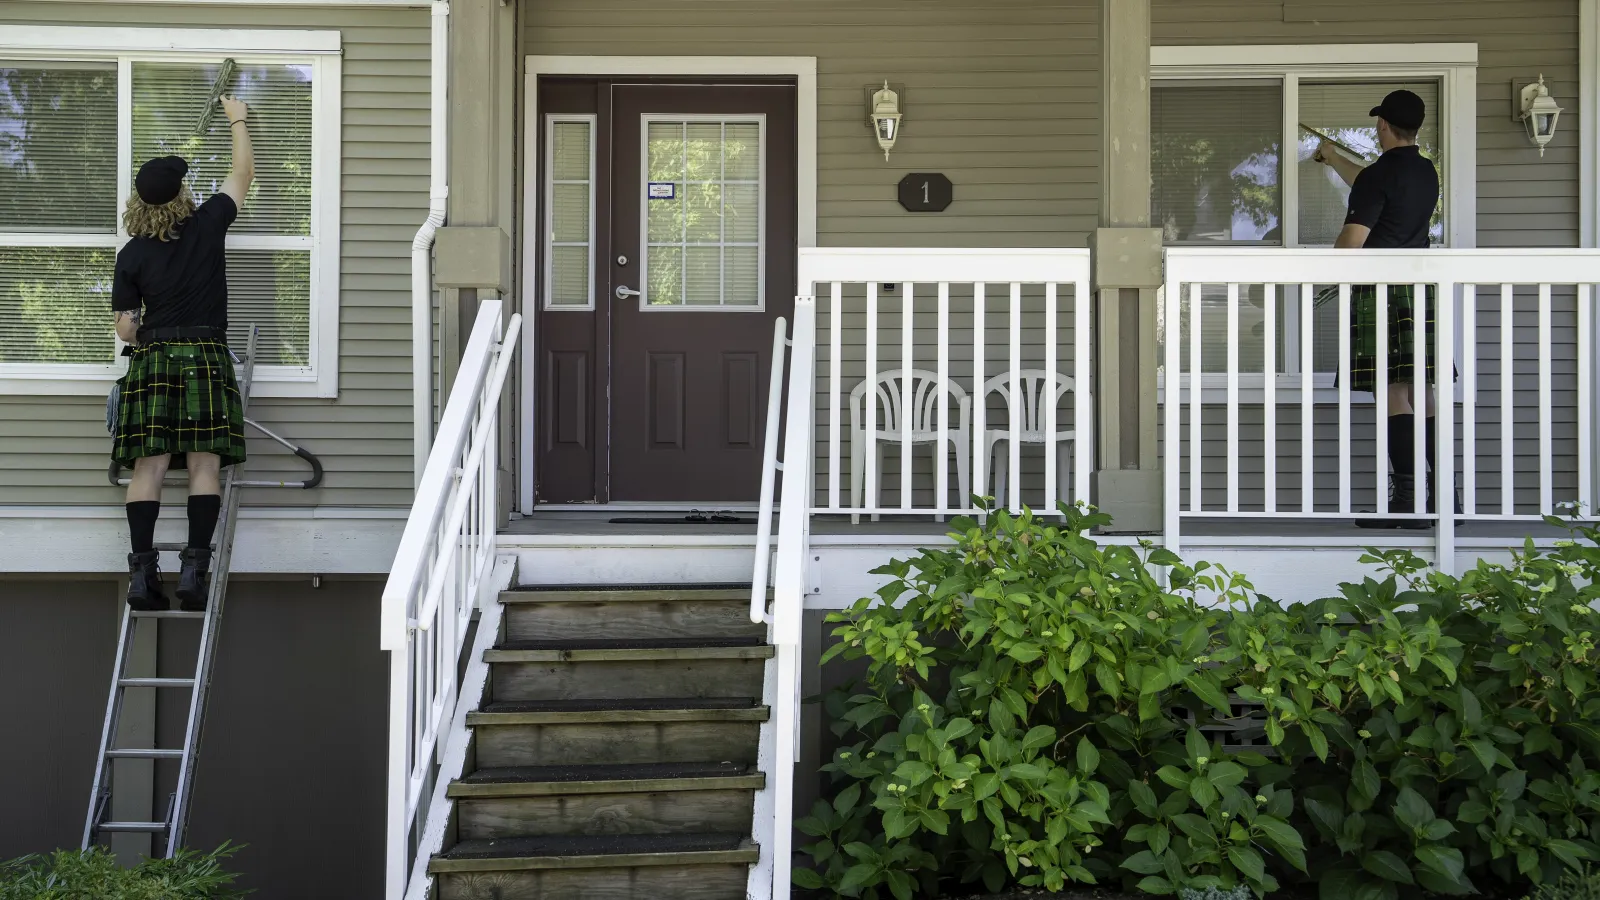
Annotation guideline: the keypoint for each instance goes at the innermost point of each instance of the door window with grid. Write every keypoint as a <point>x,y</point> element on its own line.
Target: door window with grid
<point>704,197</point>
<point>67,161</point>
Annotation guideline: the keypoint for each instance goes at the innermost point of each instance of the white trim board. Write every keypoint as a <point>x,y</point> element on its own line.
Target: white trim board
<point>314,541</point>
<point>178,40</point>
<point>802,68</point>
<point>1279,55</point>
<point>1589,122</point>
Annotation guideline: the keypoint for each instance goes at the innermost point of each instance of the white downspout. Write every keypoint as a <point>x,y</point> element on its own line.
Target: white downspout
<point>421,271</point>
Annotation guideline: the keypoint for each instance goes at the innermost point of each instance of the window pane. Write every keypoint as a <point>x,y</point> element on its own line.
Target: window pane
<point>666,276</point>
<point>168,101</point>
<point>55,305</point>
<point>570,151</point>
<point>703,276</point>
<point>1214,161</point>
<point>666,151</point>
<point>569,213</point>
<point>1340,110</point>
<point>272,289</point>
<point>569,276</point>
<point>58,147</point>
<point>704,239</point>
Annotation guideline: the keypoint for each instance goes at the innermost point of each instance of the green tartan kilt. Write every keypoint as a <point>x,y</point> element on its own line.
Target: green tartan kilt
<point>1401,338</point>
<point>179,397</point>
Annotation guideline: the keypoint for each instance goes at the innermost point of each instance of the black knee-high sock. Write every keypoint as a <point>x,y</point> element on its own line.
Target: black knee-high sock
<point>1403,446</point>
<point>1431,451</point>
<point>203,511</point>
<point>142,515</point>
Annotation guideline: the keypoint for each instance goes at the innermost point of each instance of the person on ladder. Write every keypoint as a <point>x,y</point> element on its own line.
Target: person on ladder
<point>179,402</point>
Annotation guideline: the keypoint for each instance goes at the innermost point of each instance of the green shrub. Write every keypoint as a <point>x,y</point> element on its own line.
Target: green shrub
<point>95,875</point>
<point>1572,886</point>
<point>1039,709</point>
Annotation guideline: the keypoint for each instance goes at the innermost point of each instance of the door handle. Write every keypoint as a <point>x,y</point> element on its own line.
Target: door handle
<point>624,292</point>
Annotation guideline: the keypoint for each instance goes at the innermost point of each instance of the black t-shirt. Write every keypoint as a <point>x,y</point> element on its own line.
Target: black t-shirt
<point>1395,197</point>
<point>181,283</point>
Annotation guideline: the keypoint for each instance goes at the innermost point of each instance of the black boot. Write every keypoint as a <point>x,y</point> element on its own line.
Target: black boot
<point>1432,451</point>
<point>1402,499</point>
<point>144,582</point>
<point>193,584</point>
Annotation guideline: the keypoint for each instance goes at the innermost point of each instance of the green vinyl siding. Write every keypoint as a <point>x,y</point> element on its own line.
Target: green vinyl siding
<point>53,450</point>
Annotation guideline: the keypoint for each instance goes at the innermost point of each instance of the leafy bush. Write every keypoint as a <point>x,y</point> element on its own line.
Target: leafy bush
<point>1572,886</point>
<point>1039,709</point>
<point>95,875</point>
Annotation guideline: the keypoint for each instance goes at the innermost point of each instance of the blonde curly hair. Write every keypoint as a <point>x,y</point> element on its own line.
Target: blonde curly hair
<point>143,219</point>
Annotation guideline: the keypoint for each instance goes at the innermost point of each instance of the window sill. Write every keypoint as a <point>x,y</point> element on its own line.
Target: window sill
<point>270,381</point>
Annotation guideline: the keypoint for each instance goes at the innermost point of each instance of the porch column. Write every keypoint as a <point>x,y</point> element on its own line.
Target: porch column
<point>1127,271</point>
<point>473,252</point>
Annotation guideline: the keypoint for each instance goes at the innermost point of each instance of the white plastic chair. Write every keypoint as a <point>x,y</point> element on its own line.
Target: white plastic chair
<point>924,428</point>
<point>1031,431</point>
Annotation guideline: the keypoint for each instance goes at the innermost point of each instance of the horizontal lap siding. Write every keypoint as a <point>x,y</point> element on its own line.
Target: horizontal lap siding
<point>1524,200</point>
<point>1002,97</point>
<point>363,437</point>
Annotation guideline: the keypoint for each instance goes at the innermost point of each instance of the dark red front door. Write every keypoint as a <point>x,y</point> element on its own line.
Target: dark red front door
<point>694,259</point>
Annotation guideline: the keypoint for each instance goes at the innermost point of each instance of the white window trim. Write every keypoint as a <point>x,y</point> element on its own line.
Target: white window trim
<point>645,120</point>
<point>1456,68</point>
<point>320,50</point>
<point>548,237</point>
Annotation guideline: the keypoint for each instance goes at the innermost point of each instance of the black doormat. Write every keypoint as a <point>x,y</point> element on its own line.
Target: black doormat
<point>691,519</point>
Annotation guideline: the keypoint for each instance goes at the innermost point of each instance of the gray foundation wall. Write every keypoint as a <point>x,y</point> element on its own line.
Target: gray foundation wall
<point>293,760</point>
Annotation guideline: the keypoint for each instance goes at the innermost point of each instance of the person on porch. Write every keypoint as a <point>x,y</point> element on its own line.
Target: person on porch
<point>1391,205</point>
<point>179,402</point>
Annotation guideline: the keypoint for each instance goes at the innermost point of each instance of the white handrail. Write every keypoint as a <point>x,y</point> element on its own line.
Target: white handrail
<point>1523,281</point>
<point>440,574</point>
<point>769,476</point>
<point>780,737</point>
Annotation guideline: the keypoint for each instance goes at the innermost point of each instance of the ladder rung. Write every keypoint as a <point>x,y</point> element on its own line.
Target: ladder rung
<point>166,614</point>
<point>144,754</point>
<point>171,546</point>
<point>156,682</point>
<point>142,827</point>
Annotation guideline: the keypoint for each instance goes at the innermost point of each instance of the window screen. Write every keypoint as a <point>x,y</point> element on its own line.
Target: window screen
<point>1215,160</point>
<point>58,191</point>
<point>1341,111</point>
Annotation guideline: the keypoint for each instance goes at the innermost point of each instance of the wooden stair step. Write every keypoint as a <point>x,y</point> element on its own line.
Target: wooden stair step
<point>597,614</point>
<point>595,851</point>
<point>628,650</point>
<point>554,732</point>
<point>543,781</point>
<point>593,593</point>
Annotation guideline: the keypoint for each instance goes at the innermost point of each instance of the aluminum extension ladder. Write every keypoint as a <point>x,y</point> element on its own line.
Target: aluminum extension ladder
<point>169,830</point>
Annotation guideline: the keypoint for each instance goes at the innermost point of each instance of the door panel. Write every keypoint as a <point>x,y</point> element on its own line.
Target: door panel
<point>702,226</point>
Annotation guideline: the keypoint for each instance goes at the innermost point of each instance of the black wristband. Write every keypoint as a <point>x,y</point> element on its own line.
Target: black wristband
<point>238,122</point>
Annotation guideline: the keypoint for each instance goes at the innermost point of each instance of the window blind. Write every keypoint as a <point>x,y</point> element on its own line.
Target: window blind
<point>55,305</point>
<point>1214,160</point>
<point>571,214</point>
<point>58,147</point>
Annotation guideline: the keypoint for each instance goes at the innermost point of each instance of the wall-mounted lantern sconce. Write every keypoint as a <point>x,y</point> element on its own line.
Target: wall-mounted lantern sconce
<point>1538,112</point>
<point>883,111</point>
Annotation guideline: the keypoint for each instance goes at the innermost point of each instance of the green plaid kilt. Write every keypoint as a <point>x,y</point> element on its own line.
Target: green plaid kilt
<point>1402,344</point>
<point>179,397</point>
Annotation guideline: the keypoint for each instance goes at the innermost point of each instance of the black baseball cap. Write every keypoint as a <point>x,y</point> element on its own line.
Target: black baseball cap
<point>1401,109</point>
<point>161,180</point>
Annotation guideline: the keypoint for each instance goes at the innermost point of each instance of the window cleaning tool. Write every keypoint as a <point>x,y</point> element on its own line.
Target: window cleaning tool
<point>218,89</point>
<point>1354,153</point>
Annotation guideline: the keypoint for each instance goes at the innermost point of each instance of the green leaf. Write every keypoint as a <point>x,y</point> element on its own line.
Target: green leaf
<point>1024,653</point>
<point>1438,830</point>
<point>1328,816</point>
<point>957,728</point>
<point>1155,885</point>
<point>897,824</point>
<point>1413,811</point>
<point>1026,772</point>
<point>1173,776</point>
<point>1473,811</point>
<point>1248,861</point>
<point>806,878</point>
<point>857,877</point>
<point>1484,750</point>
<point>913,772</point>
<point>1365,784</point>
<point>1038,737</point>
<point>1512,784</point>
<point>1319,741</point>
<point>901,884</point>
<point>985,785</point>
<point>1202,791</point>
<point>1144,799</point>
<point>1387,866</point>
<point>846,801</point>
<point>1144,863</point>
<point>1088,757</point>
<point>1227,774</point>
<point>1446,861</point>
<point>1204,687</point>
<point>1080,655</point>
<point>1280,833</point>
<point>1570,853</point>
<point>1471,709</point>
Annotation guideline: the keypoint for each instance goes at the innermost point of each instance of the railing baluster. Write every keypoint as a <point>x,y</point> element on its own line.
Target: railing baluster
<point>941,450</point>
<point>1308,386</point>
<point>1585,397</point>
<point>869,453</point>
<point>1018,405</point>
<point>1233,396</point>
<point>1083,399</point>
<point>1380,398</point>
<point>1508,434</point>
<point>835,381</point>
<point>1047,396</point>
<point>1546,440</point>
<point>1344,399</point>
<point>909,408</point>
<point>1469,398</point>
<point>980,412</point>
<point>1269,398</point>
<point>1420,389</point>
<point>1196,389</point>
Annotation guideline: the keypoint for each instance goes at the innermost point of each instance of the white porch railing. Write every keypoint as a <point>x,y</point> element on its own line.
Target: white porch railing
<point>962,351</point>
<point>1515,326</point>
<point>441,575</point>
